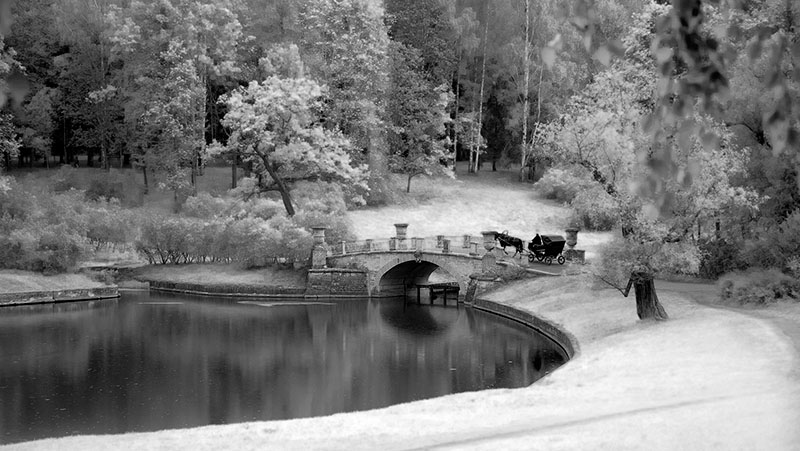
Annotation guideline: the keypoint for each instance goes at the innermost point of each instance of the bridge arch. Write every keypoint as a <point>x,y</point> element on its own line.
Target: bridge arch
<point>402,264</point>
<point>391,278</point>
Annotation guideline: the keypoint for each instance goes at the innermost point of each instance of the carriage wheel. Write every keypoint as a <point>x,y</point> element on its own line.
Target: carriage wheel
<point>531,257</point>
<point>561,259</point>
<point>540,257</point>
<point>548,259</point>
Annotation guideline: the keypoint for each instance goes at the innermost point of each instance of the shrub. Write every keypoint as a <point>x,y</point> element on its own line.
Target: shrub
<point>206,206</point>
<point>65,179</point>
<point>48,249</point>
<point>58,251</point>
<point>758,286</point>
<point>162,238</point>
<point>777,245</point>
<point>322,197</point>
<point>265,208</point>
<point>15,203</point>
<point>110,224</point>
<point>562,184</point>
<point>719,257</point>
<point>594,209</point>
<point>253,241</point>
<point>105,189</point>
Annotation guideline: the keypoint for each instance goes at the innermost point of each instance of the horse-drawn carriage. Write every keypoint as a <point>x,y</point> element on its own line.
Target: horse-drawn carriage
<point>542,247</point>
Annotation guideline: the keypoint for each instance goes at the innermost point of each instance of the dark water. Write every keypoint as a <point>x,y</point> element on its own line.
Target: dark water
<point>153,361</point>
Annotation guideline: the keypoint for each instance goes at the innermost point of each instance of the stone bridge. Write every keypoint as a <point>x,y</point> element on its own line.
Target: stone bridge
<point>396,264</point>
<point>390,273</point>
<point>393,266</point>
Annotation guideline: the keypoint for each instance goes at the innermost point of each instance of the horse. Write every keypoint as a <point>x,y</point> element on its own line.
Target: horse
<point>507,240</point>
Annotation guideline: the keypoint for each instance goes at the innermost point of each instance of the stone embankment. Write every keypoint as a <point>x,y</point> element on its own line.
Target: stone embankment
<point>42,297</point>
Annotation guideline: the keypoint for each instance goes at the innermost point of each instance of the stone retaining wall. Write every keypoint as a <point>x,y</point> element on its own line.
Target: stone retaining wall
<point>41,297</point>
<point>234,290</point>
<point>567,342</point>
<point>336,282</point>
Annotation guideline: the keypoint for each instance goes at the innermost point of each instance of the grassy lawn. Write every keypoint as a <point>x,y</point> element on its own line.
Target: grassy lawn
<point>211,274</point>
<point>14,281</point>
<point>468,205</point>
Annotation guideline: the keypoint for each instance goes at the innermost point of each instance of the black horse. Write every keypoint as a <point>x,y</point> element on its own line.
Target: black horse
<point>507,240</point>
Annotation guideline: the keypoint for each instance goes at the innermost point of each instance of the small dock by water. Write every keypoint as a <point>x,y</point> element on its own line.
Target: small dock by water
<point>437,290</point>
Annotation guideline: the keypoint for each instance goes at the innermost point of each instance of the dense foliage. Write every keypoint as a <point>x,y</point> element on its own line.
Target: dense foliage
<point>676,122</point>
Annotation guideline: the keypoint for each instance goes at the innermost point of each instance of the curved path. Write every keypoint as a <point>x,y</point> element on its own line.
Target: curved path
<point>706,379</point>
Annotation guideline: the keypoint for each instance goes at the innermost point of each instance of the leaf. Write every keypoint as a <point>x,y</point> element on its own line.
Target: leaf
<point>754,49</point>
<point>556,43</point>
<point>549,56</point>
<point>649,123</point>
<point>603,55</point>
<point>663,55</point>
<point>587,41</point>
<point>710,140</point>
<point>616,47</point>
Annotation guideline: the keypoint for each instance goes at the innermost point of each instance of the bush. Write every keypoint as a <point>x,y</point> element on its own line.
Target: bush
<point>58,251</point>
<point>265,208</point>
<point>206,206</point>
<point>719,257</point>
<point>50,249</point>
<point>65,179</point>
<point>594,209</point>
<point>105,189</point>
<point>563,185</point>
<point>777,245</point>
<point>758,287</point>
<point>15,202</point>
<point>110,224</point>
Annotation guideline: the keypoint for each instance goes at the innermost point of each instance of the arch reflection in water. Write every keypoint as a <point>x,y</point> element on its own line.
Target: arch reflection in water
<point>154,361</point>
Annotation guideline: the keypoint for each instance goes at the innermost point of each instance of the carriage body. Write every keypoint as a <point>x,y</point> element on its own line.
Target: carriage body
<point>546,248</point>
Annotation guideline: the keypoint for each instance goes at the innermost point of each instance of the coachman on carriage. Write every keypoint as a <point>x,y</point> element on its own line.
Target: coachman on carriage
<point>542,248</point>
<point>546,248</point>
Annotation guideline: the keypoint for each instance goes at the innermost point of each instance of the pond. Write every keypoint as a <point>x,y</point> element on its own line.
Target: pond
<point>152,361</point>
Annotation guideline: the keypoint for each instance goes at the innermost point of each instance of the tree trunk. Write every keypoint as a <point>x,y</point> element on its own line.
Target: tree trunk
<point>194,175</point>
<point>233,172</point>
<point>144,173</point>
<point>647,304</point>
<point>478,150</point>
<point>408,183</point>
<point>455,114</point>
<point>282,188</point>
<point>526,97</point>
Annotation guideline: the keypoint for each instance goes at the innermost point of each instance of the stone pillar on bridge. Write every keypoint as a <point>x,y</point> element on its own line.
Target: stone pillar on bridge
<point>319,251</point>
<point>572,254</point>
<point>401,230</point>
<point>488,262</point>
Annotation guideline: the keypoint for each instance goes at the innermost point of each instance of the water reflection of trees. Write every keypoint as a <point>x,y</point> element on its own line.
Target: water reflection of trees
<point>164,366</point>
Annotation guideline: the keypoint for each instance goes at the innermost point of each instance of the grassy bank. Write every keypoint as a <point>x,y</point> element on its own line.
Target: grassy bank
<point>15,281</point>
<point>217,274</point>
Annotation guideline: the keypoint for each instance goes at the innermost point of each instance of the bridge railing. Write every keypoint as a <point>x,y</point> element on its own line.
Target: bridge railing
<point>445,244</point>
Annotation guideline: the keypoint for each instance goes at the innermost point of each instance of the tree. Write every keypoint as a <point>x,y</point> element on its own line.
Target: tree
<point>276,125</point>
<point>9,141</point>
<point>424,25</point>
<point>600,132</point>
<point>465,26</point>
<point>345,44</point>
<point>194,44</point>
<point>419,113</point>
